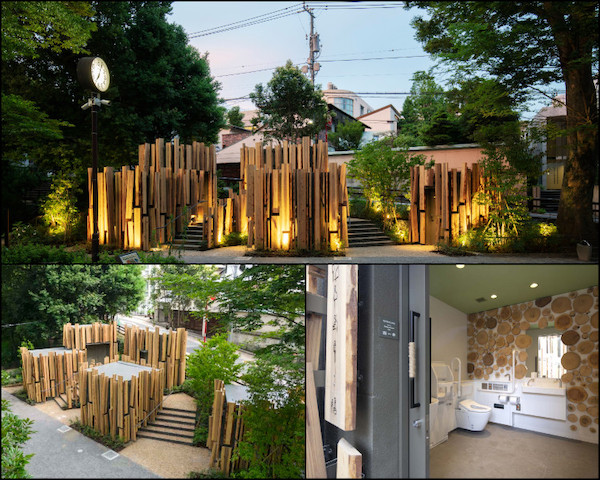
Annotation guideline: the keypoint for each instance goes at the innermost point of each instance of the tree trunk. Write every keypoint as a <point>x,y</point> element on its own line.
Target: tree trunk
<point>575,52</point>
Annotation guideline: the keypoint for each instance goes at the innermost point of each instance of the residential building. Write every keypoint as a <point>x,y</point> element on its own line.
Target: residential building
<point>347,101</point>
<point>232,134</point>
<point>381,122</point>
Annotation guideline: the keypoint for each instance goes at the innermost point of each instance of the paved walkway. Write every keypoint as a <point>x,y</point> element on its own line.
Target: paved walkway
<point>69,454</point>
<point>397,254</point>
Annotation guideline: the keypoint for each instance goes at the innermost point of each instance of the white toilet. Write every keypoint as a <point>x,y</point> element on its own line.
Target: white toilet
<point>471,415</point>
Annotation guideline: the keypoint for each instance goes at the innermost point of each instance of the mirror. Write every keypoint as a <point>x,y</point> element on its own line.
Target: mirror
<point>545,351</point>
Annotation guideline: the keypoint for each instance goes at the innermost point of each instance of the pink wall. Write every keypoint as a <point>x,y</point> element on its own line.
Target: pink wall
<point>454,157</point>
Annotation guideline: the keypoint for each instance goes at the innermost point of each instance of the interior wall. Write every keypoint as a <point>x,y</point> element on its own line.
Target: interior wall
<point>494,334</point>
<point>448,334</point>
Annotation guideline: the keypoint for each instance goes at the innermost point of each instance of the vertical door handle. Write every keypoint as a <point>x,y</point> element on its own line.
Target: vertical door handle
<point>412,358</point>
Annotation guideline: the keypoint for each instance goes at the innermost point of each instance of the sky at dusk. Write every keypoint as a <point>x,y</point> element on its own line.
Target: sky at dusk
<point>366,47</point>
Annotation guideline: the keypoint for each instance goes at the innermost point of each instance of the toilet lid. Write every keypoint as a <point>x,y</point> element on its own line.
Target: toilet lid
<point>473,406</point>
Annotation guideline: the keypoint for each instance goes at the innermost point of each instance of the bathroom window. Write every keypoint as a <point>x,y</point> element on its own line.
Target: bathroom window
<point>550,351</point>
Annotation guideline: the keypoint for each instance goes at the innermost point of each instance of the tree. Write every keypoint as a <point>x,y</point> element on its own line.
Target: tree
<point>384,174</point>
<point>15,432</point>
<point>444,129</point>
<point>289,107</point>
<point>187,288</point>
<point>347,136</point>
<point>527,46</point>
<point>42,298</point>
<point>425,100</point>
<point>28,30</point>
<point>160,87</point>
<point>235,118</point>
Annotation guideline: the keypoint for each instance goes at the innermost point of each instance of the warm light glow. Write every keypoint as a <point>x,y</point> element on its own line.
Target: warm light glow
<point>285,240</point>
<point>493,295</point>
<point>336,243</point>
<point>460,265</point>
<point>533,285</point>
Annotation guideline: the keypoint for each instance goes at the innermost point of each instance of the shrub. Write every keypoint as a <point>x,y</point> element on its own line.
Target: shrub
<point>274,419</point>
<point>235,238</point>
<point>216,359</point>
<point>115,444</point>
<point>15,432</point>
<point>39,253</point>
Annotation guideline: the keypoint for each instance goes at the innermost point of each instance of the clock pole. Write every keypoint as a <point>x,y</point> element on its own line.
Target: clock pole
<point>95,234</point>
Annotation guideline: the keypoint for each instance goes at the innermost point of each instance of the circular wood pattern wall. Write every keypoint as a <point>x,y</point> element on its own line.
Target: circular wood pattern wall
<point>494,334</point>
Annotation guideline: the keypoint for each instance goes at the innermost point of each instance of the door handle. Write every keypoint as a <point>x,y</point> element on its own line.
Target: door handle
<point>418,423</point>
<point>412,358</point>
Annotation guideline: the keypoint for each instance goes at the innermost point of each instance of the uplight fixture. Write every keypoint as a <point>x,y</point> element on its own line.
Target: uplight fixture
<point>533,285</point>
<point>460,265</point>
<point>493,295</point>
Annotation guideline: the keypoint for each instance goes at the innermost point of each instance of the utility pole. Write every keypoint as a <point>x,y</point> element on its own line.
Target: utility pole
<point>314,46</point>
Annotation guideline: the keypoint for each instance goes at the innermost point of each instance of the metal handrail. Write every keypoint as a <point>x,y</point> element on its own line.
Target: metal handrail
<point>173,219</point>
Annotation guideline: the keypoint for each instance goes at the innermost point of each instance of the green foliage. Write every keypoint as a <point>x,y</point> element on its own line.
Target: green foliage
<point>115,444</point>
<point>235,118</point>
<point>209,473</point>
<point>216,359</point>
<point>425,100</point>
<point>505,168</point>
<point>274,418</point>
<point>526,47</point>
<point>270,295</point>
<point>65,293</point>
<point>347,136</point>
<point>444,129</point>
<point>289,107</point>
<point>28,27</point>
<point>384,174</point>
<point>21,394</point>
<point>235,238</point>
<point>15,432</point>
<point>39,253</point>
<point>60,211</point>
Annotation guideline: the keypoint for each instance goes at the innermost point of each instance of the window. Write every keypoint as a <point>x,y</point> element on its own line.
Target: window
<point>345,104</point>
<point>550,351</point>
<point>362,109</point>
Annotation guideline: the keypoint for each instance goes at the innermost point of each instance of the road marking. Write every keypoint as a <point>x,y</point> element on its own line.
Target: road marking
<point>110,455</point>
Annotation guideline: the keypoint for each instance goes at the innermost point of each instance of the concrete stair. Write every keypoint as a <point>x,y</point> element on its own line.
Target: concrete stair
<point>363,233</point>
<point>172,425</point>
<point>191,239</point>
<point>549,200</point>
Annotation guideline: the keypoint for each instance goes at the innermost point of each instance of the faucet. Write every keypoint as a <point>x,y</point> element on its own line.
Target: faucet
<point>507,375</point>
<point>529,382</point>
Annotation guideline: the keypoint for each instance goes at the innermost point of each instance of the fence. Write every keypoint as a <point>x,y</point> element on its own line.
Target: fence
<point>135,204</point>
<point>50,374</point>
<point>166,351</point>
<point>119,407</point>
<point>77,336</point>
<point>291,197</point>
<point>443,202</point>
<point>225,430</point>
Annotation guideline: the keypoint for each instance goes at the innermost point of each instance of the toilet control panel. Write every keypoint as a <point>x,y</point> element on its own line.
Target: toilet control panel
<point>494,387</point>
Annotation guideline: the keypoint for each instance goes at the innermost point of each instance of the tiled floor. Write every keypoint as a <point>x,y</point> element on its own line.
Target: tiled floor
<point>505,452</point>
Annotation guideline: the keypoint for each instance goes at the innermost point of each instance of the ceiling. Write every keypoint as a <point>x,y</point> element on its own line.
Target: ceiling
<point>460,288</point>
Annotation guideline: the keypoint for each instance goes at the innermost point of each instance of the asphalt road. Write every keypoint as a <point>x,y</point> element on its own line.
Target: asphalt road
<point>69,454</point>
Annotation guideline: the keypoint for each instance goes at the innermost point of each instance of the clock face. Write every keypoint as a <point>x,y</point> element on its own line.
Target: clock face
<point>100,75</point>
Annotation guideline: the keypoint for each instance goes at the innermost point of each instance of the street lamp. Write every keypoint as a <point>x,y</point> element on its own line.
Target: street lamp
<point>94,76</point>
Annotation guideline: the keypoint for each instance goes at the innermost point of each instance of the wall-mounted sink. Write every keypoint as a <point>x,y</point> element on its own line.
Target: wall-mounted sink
<point>544,386</point>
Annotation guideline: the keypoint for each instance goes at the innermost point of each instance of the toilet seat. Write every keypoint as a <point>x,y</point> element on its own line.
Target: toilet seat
<point>472,406</point>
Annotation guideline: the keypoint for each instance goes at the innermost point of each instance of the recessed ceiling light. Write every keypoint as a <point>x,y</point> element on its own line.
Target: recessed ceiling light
<point>460,265</point>
<point>533,285</point>
<point>493,295</point>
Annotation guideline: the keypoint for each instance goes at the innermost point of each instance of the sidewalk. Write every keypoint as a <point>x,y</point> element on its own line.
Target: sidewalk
<point>396,254</point>
<point>69,454</point>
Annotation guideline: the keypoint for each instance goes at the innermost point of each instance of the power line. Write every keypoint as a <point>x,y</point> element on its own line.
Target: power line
<point>267,17</point>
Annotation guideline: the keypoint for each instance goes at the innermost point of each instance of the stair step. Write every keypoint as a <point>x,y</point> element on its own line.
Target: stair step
<point>143,435</point>
<point>370,244</point>
<point>191,412</point>
<point>173,427</point>
<point>153,429</point>
<point>160,417</point>
<point>192,416</point>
